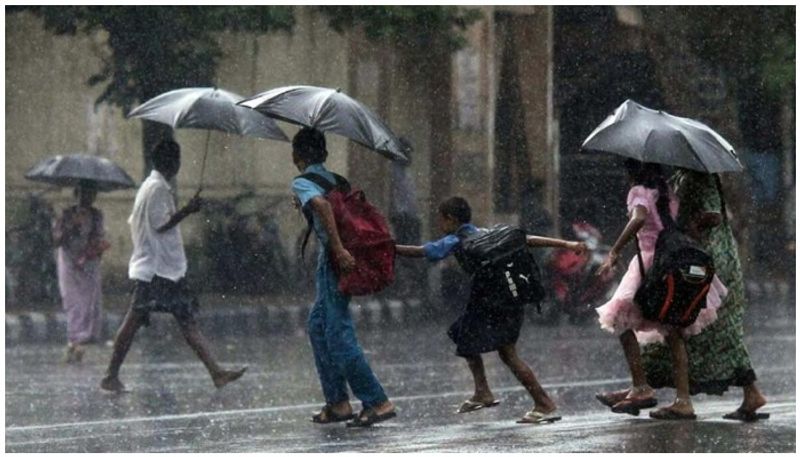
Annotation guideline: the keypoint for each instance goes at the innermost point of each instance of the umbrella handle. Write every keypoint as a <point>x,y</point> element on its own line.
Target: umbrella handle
<point>205,154</point>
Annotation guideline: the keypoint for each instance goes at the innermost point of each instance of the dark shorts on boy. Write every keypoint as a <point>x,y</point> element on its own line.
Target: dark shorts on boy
<point>486,324</point>
<point>162,295</point>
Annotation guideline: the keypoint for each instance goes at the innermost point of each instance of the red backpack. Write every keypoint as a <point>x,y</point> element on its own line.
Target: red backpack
<point>364,233</point>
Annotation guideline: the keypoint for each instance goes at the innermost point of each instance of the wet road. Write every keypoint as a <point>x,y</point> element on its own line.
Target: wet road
<point>174,407</point>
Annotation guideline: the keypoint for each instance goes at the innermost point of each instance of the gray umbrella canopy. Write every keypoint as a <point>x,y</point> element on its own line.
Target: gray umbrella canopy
<point>207,108</point>
<point>70,170</point>
<point>329,110</point>
<point>654,136</point>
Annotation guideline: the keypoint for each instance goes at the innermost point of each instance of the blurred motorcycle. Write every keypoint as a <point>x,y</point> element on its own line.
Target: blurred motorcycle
<point>574,288</point>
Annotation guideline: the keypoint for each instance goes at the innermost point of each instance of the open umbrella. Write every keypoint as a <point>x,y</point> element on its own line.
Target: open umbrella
<point>329,110</point>
<point>70,170</point>
<point>207,108</point>
<point>649,135</point>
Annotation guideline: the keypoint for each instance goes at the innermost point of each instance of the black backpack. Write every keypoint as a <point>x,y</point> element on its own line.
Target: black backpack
<point>499,261</point>
<point>674,290</point>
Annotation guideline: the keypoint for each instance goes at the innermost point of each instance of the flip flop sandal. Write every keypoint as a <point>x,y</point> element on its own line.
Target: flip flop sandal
<point>612,398</point>
<point>537,417</point>
<point>670,414</point>
<point>369,417</point>
<point>327,416</point>
<point>471,405</point>
<point>745,416</point>
<point>632,406</point>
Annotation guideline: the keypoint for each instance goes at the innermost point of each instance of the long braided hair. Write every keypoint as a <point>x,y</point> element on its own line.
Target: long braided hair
<point>651,175</point>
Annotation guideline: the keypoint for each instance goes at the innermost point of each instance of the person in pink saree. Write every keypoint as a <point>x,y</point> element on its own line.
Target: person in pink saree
<point>79,237</point>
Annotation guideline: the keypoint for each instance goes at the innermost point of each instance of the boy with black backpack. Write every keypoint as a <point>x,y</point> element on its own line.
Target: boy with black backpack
<point>493,317</point>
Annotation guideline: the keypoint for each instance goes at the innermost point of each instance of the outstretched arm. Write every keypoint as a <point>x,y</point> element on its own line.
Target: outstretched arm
<point>635,223</point>
<point>544,242</point>
<point>409,251</point>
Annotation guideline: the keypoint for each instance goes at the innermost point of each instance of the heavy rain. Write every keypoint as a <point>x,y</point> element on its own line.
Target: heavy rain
<point>400,229</point>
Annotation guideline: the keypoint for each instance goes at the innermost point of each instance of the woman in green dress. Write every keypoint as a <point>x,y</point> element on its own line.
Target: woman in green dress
<point>718,357</point>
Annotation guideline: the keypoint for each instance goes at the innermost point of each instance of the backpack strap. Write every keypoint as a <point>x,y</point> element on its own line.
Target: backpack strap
<point>639,256</point>
<point>341,184</point>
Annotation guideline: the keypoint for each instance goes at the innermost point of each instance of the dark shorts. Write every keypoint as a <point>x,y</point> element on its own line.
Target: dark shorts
<point>485,325</point>
<point>164,296</point>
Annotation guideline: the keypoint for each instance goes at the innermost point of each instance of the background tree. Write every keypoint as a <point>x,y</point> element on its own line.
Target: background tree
<point>155,49</point>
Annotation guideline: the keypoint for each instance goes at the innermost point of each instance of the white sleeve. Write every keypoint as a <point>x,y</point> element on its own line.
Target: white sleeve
<point>160,207</point>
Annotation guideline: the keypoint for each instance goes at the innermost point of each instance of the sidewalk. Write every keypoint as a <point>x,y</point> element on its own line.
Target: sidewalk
<point>219,314</point>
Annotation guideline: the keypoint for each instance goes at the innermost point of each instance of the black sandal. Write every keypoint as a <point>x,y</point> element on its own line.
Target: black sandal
<point>745,416</point>
<point>369,417</point>
<point>328,416</point>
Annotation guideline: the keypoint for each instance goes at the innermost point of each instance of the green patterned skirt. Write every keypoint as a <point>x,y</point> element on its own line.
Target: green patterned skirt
<point>718,357</point>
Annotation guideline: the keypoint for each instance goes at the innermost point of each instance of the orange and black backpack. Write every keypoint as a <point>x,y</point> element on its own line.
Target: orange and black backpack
<point>674,290</point>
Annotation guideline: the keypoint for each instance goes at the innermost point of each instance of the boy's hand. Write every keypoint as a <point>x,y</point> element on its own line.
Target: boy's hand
<point>578,247</point>
<point>608,264</point>
<point>194,205</point>
<point>345,260</point>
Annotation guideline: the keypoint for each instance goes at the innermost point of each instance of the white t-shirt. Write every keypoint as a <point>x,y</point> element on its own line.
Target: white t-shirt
<point>155,253</point>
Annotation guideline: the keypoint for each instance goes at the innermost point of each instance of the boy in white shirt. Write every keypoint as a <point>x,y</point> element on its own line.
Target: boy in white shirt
<point>158,266</point>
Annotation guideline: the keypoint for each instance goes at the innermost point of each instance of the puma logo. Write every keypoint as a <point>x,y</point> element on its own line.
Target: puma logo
<point>525,278</point>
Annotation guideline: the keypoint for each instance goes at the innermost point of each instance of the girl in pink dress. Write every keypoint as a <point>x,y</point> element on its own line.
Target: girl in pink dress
<point>650,205</point>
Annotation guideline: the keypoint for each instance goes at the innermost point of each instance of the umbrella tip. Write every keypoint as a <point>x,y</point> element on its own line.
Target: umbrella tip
<point>338,89</point>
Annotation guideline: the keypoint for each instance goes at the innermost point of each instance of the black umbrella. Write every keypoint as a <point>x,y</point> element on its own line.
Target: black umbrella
<point>207,108</point>
<point>70,170</point>
<point>329,110</point>
<point>649,135</point>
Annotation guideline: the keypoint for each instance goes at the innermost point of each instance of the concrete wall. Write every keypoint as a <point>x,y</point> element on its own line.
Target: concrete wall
<point>444,107</point>
<point>50,110</point>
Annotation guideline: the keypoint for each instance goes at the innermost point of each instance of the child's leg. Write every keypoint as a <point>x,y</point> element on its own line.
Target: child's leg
<point>634,358</point>
<point>198,343</point>
<point>122,343</point>
<point>680,371</point>
<point>483,393</point>
<point>543,403</point>
<point>682,407</point>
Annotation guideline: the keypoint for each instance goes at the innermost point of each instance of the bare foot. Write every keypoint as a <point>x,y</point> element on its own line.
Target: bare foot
<point>679,409</point>
<point>342,408</point>
<point>545,407</point>
<point>112,384</point>
<point>384,407</point>
<point>484,398</point>
<point>77,353</point>
<point>641,392</point>
<point>753,399</point>
<point>226,376</point>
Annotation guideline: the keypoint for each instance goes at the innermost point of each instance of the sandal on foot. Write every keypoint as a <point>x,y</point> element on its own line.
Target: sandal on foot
<point>612,398</point>
<point>471,405</point>
<point>538,417</point>
<point>328,416</point>
<point>369,416</point>
<point>670,414</point>
<point>745,416</point>
<point>633,405</point>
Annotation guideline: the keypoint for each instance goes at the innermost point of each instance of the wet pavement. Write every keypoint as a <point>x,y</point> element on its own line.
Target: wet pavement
<point>173,406</point>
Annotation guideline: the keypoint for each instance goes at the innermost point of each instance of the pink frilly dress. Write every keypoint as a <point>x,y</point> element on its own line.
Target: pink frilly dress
<point>621,313</point>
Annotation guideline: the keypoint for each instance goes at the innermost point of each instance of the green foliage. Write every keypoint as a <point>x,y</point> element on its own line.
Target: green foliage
<point>414,27</point>
<point>156,49</point>
<point>750,43</point>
